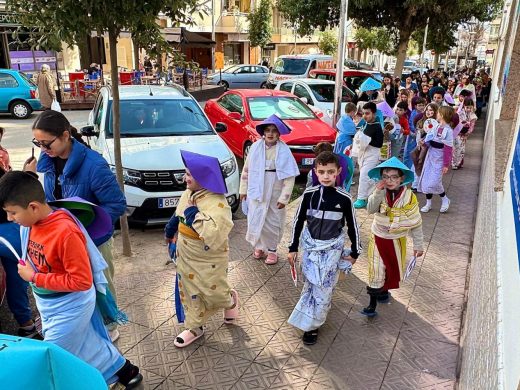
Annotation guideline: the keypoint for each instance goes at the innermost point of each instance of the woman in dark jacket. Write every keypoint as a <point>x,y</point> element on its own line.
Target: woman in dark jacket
<point>70,169</point>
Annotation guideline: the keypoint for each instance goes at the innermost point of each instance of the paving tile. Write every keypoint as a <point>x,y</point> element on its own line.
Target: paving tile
<point>150,380</point>
<point>130,335</point>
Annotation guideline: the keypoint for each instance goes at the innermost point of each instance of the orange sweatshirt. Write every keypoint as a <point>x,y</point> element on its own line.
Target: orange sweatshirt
<point>58,249</point>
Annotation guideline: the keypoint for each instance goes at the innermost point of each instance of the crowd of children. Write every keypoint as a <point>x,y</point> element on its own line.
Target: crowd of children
<point>403,139</point>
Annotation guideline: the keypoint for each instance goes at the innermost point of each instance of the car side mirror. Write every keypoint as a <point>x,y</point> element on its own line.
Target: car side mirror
<point>88,131</point>
<point>220,127</point>
<point>305,100</point>
<point>236,116</point>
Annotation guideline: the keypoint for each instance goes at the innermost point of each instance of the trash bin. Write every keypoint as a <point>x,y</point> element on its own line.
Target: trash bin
<point>125,78</point>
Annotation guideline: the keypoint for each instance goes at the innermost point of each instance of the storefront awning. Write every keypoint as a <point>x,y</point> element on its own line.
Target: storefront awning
<point>193,39</point>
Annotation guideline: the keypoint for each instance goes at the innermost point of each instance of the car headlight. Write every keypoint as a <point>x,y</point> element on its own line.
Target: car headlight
<point>228,167</point>
<point>131,177</point>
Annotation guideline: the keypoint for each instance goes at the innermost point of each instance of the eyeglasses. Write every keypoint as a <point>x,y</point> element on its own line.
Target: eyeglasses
<point>42,144</point>
<point>392,177</point>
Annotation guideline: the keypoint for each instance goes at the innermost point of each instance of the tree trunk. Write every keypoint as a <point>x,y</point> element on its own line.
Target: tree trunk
<point>136,56</point>
<point>112,39</point>
<point>84,54</point>
<point>436,60</point>
<point>404,38</point>
<point>358,57</point>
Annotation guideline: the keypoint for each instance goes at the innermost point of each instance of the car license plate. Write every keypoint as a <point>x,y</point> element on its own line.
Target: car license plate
<point>165,203</point>
<point>307,161</point>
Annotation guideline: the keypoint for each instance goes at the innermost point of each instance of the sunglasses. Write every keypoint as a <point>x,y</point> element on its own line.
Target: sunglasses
<point>42,144</point>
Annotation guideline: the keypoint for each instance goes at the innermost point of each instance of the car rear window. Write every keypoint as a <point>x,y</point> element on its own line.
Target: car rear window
<point>160,118</point>
<point>26,78</point>
<point>284,107</point>
<point>325,93</point>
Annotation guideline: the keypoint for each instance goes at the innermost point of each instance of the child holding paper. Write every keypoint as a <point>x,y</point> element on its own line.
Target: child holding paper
<point>326,209</point>
<point>396,212</point>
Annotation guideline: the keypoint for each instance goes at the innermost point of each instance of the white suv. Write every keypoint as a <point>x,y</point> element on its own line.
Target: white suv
<point>319,95</point>
<point>156,123</point>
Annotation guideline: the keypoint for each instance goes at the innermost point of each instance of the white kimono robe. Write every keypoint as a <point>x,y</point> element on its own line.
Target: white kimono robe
<point>267,179</point>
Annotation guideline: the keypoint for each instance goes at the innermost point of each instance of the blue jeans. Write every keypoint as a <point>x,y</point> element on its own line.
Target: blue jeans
<point>16,293</point>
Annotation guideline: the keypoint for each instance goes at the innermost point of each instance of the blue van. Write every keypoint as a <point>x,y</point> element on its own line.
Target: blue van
<point>18,94</point>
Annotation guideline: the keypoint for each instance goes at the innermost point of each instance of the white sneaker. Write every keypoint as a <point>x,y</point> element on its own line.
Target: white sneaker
<point>426,208</point>
<point>114,335</point>
<point>445,204</point>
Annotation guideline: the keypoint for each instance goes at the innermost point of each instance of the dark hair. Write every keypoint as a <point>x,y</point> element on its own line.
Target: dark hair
<point>370,106</point>
<point>322,147</point>
<point>325,158</point>
<point>468,102</point>
<point>466,93</point>
<point>55,123</point>
<point>401,173</point>
<point>402,105</point>
<point>420,100</point>
<point>19,188</point>
<point>2,130</point>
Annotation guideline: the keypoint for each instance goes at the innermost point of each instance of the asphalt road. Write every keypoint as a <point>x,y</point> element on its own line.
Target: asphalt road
<point>17,137</point>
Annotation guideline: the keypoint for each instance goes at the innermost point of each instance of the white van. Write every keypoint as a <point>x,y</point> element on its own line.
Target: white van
<point>297,67</point>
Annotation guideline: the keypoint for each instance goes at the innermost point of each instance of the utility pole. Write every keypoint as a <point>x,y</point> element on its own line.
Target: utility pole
<point>295,36</point>
<point>213,35</point>
<point>341,62</point>
<point>457,56</point>
<point>424,42</point>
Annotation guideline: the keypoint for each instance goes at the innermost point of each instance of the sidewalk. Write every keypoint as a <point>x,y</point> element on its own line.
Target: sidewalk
<point>412,344</point>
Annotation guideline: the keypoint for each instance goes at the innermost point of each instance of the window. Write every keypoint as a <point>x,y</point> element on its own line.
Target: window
<point>301,92</point>
<point>325,93</point>
<point>245,69</point>
<point>287,87</point>
<point>232,103</point>
<point>259,69</point>
<point>7,81</point>
<point>294,66</point>
<point>283,107</point>
<point>243,6</point>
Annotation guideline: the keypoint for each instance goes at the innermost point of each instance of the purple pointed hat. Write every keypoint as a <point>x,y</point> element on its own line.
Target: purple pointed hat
<point>385,109</point>
<point>448,99</point>
<point>206,170</point>
<point>273,120</point>
<point>95,219</point>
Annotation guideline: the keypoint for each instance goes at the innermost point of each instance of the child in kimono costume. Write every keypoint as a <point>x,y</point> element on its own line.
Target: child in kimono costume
<point>266,185</point>
<point>396,212</point>
<point>326,209</point>
<point>201,226</point>
<point>65,271</point>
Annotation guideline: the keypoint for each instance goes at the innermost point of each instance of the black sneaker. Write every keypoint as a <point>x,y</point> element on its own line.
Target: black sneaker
<point>30,334</point>
<point>369,311</point>
<point>384,297</point>
<point>310,337</point>
<point>129,375</point>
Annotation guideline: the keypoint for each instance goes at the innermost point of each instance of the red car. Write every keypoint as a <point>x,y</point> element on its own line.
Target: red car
<point>351,78</point>
<point>242,109</point>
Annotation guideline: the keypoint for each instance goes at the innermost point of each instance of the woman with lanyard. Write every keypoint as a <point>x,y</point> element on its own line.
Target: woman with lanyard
<point>71,168</point>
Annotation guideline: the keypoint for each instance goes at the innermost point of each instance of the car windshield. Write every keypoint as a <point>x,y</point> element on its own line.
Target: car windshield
<point>24,76</point>
<point>284,107</point>
<point>291,66</point>
<point>160,118</point>
<point>325,93</point>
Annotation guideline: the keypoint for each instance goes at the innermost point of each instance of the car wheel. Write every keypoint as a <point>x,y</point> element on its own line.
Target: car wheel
<point>224,84</point>
<point>247,149</point>
<point>263,85</point>
<point>235,207</point>
<point>20,109</point>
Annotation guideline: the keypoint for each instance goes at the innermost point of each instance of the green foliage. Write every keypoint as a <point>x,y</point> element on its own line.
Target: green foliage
<point>54,21</point>
<point>328,42</point>
<point>401,16</point>
<point>381,39</point>
<point>260,21</point>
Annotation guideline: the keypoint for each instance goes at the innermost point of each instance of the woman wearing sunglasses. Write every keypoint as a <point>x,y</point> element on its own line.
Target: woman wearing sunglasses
<point>71,168</point>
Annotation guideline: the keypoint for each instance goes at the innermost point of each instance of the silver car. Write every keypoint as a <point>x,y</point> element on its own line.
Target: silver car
<point>241,76</point>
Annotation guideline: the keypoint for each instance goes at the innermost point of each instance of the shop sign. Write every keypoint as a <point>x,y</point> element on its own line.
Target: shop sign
<point>269,46</point>
<point>8,20</point>
<point>514,177</point>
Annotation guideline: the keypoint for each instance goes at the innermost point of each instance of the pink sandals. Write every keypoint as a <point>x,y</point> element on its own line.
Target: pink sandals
<point>187,337</point>
<point>230,315</point>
